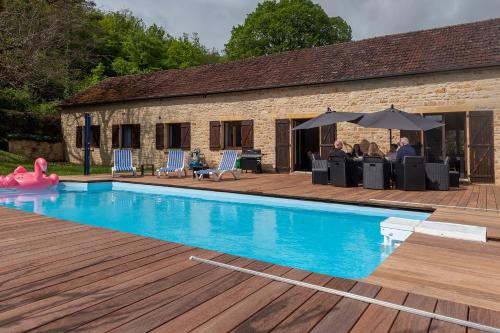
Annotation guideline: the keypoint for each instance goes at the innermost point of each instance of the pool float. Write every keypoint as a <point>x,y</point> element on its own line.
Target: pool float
<point>23,179</point>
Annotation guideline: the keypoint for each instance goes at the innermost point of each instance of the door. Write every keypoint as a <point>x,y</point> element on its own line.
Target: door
<point>481,146</point>
<point>306,146</point>
<point>328,137</point>
<point>283,145</point>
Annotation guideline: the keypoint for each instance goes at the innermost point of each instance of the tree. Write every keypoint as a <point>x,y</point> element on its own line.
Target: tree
<point>283,25</point>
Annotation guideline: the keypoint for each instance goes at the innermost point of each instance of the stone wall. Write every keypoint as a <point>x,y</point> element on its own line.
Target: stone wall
<point>51,151</point>
<point>465,90</point>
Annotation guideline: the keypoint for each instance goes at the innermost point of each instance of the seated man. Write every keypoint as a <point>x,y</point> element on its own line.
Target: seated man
<point>404,150</point>
<point>337,151</point>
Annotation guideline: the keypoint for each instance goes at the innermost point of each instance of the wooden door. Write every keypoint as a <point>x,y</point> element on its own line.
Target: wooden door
<point>481,146</point>
<point>328,137</point>
<point>283,145</point>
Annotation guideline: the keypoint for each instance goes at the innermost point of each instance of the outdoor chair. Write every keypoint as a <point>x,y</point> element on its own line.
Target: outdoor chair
<point>343,172</point>
<point>122,162</point>
<point>440,177</point>
<point>320,172</point>
<point>227,165</point>
<point>175,164</point>
<point>410,175</point>
<point>376,173</point>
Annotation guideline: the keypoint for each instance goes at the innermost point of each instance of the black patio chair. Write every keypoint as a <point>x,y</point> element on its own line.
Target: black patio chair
<point>410,175</point>
<point>440,177</point>
<point>343,172</point>
<point>376,173</point>
<point>320,172</point>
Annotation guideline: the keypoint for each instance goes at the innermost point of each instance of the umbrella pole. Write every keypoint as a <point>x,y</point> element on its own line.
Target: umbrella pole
<point>390,138</point>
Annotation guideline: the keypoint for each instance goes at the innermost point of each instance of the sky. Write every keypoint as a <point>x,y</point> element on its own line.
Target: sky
<point>213,19</point>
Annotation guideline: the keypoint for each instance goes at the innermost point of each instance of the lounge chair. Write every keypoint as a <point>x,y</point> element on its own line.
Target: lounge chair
<point>175,163</point>
<point>122,162</point>
<point>227,165</point>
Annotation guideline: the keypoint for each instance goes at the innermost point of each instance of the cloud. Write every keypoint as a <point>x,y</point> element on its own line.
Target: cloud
<point>213,19</point>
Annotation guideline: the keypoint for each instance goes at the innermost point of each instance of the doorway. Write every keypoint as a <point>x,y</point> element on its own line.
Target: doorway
<point>305,146</point>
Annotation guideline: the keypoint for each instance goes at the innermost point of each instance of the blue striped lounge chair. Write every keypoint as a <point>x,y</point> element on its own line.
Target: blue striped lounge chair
<point>227,165</point>
<point>122,161</point>
<point>175,163</point>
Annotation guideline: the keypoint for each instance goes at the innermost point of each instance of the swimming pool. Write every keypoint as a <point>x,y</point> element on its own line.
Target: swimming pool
<point>333,239</point>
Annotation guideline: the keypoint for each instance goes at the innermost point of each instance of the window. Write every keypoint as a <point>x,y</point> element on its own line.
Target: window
<point>126,136</point>
<point>174,135</point>
<point>95,136</point>
<point>232,134</point>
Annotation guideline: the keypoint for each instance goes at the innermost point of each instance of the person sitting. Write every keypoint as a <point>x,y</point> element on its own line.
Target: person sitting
<point>374,150</point>
<point>356,151</point>
<point>404,150</point>
<point>337,150</point>
<point>347,149</point>
<point>392,154</point>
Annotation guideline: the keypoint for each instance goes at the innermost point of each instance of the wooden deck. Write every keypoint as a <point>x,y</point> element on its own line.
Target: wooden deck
<point>57,276</point>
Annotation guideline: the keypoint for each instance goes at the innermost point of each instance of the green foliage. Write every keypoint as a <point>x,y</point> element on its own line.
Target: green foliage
<point>283,25</point>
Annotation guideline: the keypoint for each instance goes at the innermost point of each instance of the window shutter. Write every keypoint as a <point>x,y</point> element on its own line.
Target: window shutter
<point>79,136</point>
<point>160,136</point>
<point>247,134</point>
<point>328,137</point>
<point>215,135</point>
<point>95,132</point>
<point>115,136</point>
<point>186,136</point>
<point>136,136</point>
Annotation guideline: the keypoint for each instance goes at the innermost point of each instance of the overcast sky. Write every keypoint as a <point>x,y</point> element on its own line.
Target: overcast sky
<point>213,19</point>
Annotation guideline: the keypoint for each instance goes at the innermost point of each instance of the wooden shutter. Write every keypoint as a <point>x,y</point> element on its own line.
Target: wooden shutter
<point>481,146</point>
<point>283,145</point>
<point>160,136</point>
<point>95,133</point>
<point>215,135</point>
<point>328,137</point>
<point>79,136</point>
<point>186,136</point>
<point>247,134</point>
<point>136,136</point>
<point>115,136</point>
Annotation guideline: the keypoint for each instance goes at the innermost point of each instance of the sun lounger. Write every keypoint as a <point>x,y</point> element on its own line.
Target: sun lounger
<point>175,163</point>
<point>122,162</point>
<point>226,165</point>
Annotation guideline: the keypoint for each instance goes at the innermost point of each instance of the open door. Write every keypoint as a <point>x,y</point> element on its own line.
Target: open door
<point>283,145</point>
<point>481,146</point>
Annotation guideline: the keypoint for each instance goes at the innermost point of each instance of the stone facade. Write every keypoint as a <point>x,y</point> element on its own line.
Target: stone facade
<point>51,151</point>
<point>457,91</point>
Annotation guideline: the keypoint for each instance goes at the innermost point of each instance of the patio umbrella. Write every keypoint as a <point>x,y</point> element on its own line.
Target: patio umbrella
<point>392,118</point>
<point>328,118</point>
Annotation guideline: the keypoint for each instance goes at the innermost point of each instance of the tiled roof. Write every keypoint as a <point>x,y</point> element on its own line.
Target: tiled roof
<point>454,47</point>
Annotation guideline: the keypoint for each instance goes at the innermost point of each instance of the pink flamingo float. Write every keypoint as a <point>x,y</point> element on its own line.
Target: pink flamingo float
<point>23,179</point>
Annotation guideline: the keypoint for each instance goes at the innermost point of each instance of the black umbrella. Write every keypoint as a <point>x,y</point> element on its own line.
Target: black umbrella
<point>392,118</point>
<point>328,118</point>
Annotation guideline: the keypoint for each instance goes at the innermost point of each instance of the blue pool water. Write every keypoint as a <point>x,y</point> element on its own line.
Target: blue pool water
<point>339,240</point>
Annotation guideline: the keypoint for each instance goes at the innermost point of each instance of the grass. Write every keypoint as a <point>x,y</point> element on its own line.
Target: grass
<point>9,161</point>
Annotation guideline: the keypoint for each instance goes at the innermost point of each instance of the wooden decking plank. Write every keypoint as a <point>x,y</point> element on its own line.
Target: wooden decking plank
<point>73,300</point>
<point>239,312</point>
<point>314,309</point>
<point>25,294</point>
<point>46,257</point>
<point>271,315</point>
<point>209,309</point>
<point>450,309</point>
<point>63,266</point>
<point>74,266</point>
<point>180,273</point>
<point>19,243</point>
<point>347,311</point>
<point>483,316</point>
<point>162,308</point>
<point>377,318</point>
<point>407,322</point>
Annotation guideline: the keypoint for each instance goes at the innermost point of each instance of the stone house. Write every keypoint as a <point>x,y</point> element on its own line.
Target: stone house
<point>451,74</point>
